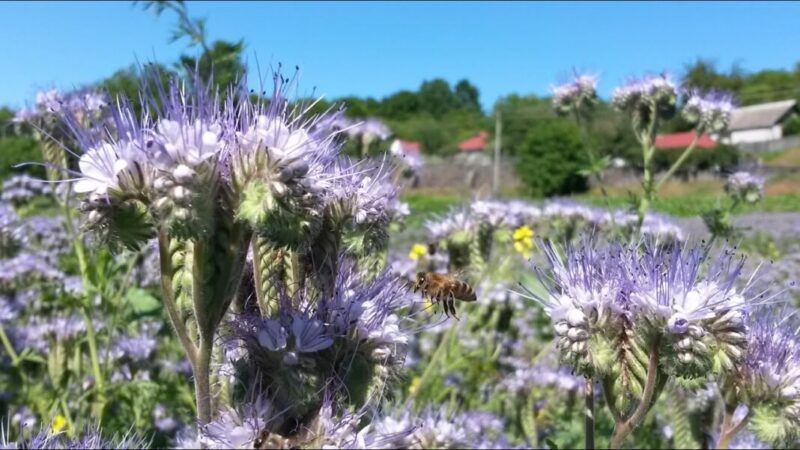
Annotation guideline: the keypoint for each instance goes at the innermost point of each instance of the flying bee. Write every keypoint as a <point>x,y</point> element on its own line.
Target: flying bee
<point>445,288</point>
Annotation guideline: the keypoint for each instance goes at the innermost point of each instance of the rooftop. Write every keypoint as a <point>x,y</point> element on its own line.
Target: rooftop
<point>475,143</point>
<point>683,140</point>
<point>760,116</point>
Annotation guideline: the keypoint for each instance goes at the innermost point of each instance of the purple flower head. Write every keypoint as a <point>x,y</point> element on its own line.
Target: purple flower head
<point>12,232</point>
<point>26,268</point>
<point>710,111</point>
<point>21,188</point>
<point>310,334</point>
<point>675,291</point>
<point>90,437</point>
<point>581,90</point>
<point>134,348</point>
<point>572,211</point>
<point>646,93</point>
<point>457,221</point>
<point>745,187</point>
<point>662,228</point>
<point>363,193</point>
<point>771,370</point>
<point>237,428</point>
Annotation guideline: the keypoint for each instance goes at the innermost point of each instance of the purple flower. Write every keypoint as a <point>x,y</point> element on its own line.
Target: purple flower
<point>645,93</point>
<point>237,428</point>
<point>711,111</point>
<point>744,186</point>
<point>309,334</point>
<point>133,348</point>
<point>770,372</point>
<point>271,335</point>
<point>582,89</point>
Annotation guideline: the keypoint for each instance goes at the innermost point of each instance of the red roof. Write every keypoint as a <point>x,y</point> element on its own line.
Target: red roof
<point>410,146</point>
<point>475,143</point>
<point>683,140</point>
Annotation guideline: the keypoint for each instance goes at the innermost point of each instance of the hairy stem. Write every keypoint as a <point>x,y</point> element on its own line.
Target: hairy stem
<point>648,149</point>
<point>202,382</point>
<point>624,428</point>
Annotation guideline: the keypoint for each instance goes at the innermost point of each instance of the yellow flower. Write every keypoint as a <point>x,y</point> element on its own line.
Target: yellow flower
<point>59,422</point>
<point>522,233</point>
<point>418,251</point>
<point>523,241</point>
<point>412,388</point>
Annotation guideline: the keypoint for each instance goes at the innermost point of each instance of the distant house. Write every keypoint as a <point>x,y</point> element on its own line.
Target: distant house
<point>476,143</point>
<point>400,147</point>
<point>409,151</point>
<point>759,123</point>
<point>683,140</point>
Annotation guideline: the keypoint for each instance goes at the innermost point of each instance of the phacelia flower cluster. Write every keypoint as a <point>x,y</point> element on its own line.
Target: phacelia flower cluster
<point>646,98</point>
<point>677,299</point>
<point>745,187</point>
<point>710,111</point>
<point>577,93</point>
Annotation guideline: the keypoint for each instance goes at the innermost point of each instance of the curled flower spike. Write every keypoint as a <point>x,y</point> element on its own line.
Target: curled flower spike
<point>582,90</point>
<point>710,111</point>
<point>769,378</point>
<point>646,98</point>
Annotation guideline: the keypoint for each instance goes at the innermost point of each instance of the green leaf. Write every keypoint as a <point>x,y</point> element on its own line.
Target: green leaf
<point>551,444</point>
<point>142,301</point>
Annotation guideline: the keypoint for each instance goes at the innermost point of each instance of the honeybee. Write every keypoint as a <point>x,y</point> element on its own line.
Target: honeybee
<point>445,288</point>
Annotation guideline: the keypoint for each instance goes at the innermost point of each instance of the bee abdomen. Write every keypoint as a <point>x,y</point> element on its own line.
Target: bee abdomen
<point>464,292</point>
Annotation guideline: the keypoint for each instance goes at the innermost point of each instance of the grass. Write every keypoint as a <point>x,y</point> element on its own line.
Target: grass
<point>678,198</point>
<point>426,204</point>
<point>786,158</point>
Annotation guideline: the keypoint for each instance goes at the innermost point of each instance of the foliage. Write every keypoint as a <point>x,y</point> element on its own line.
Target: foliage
<point>552,156</point>
<point>721,159</point>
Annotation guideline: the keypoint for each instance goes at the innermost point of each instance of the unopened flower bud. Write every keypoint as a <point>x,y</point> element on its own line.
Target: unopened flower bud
<point>576,318</point>
<point>183,174</point>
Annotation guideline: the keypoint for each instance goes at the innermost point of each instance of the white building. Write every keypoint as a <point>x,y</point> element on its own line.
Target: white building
<point>759,123</point>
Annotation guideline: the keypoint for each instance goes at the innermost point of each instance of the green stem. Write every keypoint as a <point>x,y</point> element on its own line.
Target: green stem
<point>623,429</point>
<point>677,164</point>
<point>648,149</point>
<point>98,374</point>
<point>9,347</point>
<point>589,413</point>
<point>80,253</point>
<point>202,382</point>
<point>70,424</point>
<point>729,432</point>
<point>437,355</point>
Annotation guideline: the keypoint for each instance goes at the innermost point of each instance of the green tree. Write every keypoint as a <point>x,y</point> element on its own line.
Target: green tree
<point>519,113</point>
<point>436,97</point>
<point>468,95</point>
<point>400,105</point>
<point>550,158</point>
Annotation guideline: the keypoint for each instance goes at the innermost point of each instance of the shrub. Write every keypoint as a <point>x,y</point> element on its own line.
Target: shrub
<point>551,157</point>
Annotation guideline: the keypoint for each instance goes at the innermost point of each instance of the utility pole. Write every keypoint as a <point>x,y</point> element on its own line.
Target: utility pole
<point>498,129</point>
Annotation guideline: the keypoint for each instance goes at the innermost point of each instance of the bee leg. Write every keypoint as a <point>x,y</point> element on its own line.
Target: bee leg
<point>452,303</point>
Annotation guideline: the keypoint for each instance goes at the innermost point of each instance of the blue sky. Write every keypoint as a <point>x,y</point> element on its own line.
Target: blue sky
<point>374,49</point>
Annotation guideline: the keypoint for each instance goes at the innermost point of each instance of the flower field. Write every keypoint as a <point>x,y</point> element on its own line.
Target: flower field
<point>206,265</point>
